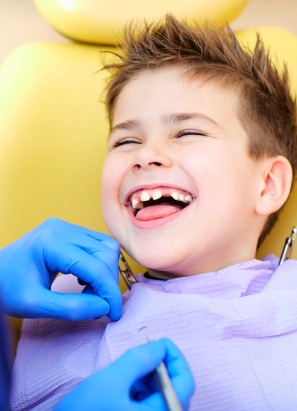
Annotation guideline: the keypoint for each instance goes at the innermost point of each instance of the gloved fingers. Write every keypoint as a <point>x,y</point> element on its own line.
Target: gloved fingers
<point>148,356</point>
<point>50,245</point>
<point>154,401</point>
<point>145,358</point>
<point>98,276</point>
<point>180,376</point>
<point>54,228</point>
<point>100,273</point>
<point>179,372</point>
<point>65,306</point>
<point>53,236</point>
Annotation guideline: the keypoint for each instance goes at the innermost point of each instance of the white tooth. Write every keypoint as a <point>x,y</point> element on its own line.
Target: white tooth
<point>181,197</point>
<point>188,198</point>
<point>174,195</point>
<point>157,194</point>
<point>145,196</point>
<point>135,203</point>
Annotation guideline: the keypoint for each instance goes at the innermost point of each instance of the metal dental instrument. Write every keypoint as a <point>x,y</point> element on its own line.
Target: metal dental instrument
<point>288,246</point>
<point>166,388</point>
<point>165,385</point>
<point>126,272</point>
<point>161,374</point>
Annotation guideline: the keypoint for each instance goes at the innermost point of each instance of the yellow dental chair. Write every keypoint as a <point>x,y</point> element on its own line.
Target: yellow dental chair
<point>53,127</point>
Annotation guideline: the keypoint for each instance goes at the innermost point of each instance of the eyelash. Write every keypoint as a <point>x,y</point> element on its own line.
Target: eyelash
<point>190,133</point>
<point>183,133</point>
<point>125,141</point>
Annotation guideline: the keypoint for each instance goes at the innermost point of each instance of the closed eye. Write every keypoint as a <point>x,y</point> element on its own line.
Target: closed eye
<point>190,133</point>
<point>125,141</point>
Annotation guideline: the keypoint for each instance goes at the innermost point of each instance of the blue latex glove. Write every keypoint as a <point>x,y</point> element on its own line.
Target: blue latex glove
<point>129,385</point>
<point>29,266</point>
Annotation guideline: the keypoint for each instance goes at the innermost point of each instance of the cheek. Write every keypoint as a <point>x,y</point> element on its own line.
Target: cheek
<point>108,189</point>
<point>114,172</point>
<point>111,181</point>
<point>104,180</point>
<point>110,177</point>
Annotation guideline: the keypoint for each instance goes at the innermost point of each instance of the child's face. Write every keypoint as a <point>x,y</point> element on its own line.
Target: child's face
<point>178,137</point>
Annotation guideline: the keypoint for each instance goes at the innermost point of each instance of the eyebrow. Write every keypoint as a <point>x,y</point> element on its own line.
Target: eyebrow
<point>126,125</point>
<point>171,118</point>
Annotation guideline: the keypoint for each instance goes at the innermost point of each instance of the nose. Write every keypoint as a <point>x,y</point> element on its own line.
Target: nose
<point>150,156</point>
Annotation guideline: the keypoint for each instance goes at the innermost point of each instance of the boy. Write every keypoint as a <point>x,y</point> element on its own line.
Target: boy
<point>201,158</point>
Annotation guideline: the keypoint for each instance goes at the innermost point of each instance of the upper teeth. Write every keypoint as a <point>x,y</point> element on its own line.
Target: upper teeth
<point>145,196</point>
<point>157,194</point>
<point>138,199</point>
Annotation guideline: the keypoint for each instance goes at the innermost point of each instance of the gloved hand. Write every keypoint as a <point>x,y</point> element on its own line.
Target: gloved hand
<point>129,385</point>
<point>29,266</point>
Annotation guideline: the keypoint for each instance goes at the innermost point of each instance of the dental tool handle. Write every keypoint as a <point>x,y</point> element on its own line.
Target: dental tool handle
<point>166,388</point>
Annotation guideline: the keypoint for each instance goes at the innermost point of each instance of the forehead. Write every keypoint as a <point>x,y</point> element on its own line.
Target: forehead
<point>173,89</point>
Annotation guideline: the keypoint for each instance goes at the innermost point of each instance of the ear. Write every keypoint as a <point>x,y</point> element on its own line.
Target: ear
<point>275,185</point>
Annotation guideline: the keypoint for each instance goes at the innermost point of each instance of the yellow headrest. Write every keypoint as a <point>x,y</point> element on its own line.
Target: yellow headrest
<point>100,22</point>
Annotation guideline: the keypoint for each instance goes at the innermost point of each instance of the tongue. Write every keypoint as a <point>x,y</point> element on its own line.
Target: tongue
<point>156,211</point>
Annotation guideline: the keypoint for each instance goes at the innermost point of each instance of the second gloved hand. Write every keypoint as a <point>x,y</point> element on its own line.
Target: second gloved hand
<point>129,384</point>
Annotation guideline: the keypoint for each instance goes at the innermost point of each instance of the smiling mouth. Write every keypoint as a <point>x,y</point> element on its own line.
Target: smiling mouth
<point>158,202</point>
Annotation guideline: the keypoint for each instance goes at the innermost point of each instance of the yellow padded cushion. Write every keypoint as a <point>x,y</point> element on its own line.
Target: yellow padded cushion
<point>96,21</point>
<point>53,133</point>
<point>52,136</point>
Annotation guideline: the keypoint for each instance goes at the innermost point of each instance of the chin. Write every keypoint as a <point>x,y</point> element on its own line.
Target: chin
<point>147,259</point>
<point>156,255</point>
<point>159,262</point>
